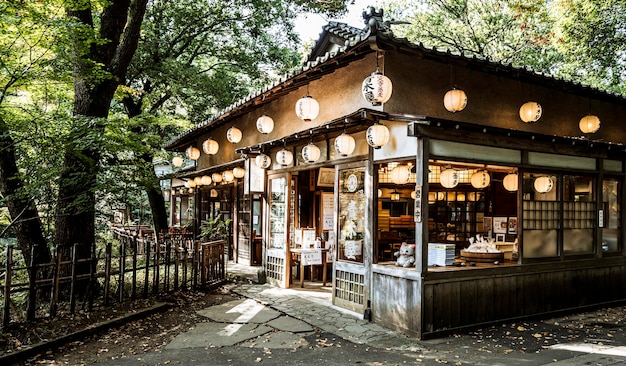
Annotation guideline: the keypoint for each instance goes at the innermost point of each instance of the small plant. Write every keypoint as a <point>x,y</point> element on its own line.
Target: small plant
<point>214,229</point>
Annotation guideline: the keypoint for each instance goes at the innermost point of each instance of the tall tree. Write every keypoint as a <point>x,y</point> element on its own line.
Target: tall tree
<point>103,49</point>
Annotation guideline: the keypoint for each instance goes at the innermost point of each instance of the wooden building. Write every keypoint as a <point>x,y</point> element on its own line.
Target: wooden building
<point>453,185</point>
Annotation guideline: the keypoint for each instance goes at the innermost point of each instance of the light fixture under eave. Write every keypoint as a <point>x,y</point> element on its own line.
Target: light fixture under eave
<point>307,108</point>
<point>480,179</point>
<point>530,112</point>
<point>394,196</point>
<point>198,181</point>
<point>413,194</point>
<point>265,124</point>
<point>228,176</point>
<point>589,124</point>
<point>449,178</point>
<point>455,100</point>
<point>510,182</point>
<point>377,88</point>
<point>400,174</point>
<point>239,172</point>
<point>177,161</point>
<point>284,157</point>
<point>214,193</point>
<point>263,161</point>
<point>210,146</point>
<point>345,145</point>
<point>380,193</point>
<point>543,184</point>
<point>217,178</point>
<point>377,135</point>
<point>234,135</point>
<point>190,183</point>
<point>311,153</point>
<point>206,180</point>
<point>192,153</point>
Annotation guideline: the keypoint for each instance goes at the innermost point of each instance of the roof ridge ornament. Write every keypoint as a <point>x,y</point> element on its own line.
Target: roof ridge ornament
<point>375,25</point>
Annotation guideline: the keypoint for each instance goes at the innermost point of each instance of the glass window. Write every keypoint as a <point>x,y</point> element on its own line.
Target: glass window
<point>540,215</point>
<point>351,214</point>
<point>578,214</point>
<point>610,219</point>
<point>278,212</point>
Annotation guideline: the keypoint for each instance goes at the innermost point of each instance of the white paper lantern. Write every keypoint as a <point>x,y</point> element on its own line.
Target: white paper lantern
<point>510,182</point>
<point>311,153</point>
<point>239,172</point>
<point>234,135</point>
<point>263,161</point>
<point>345,144</point>
<point>380,193</point>
<point>265,124</point>
<point>214,193</point>
<point>530,112</point>
<point>177,161</point>
<point>377,135</point>
<point>210,146</point>
<point>307,108</point>
<point>413,194</point>
<point>228,176</point>
<point>400,174</point>
<point>190,183</point>
<point>589,124</point>
<point>206,180</point>
<point>455,100</point>
<point>377,88</point>
<point>192,153</point>
<point>480,179</point>
<point>217,178</point>
<point>394,196</point>
<point>284,157</point>
<point>543,184</point>
<point>198,181</point>
<point>449,178</point>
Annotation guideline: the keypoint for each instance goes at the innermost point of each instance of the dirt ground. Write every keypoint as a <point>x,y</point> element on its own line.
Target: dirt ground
<point>136,337</point>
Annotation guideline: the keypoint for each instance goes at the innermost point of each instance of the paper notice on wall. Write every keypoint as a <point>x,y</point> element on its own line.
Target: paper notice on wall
<point>311,256</point>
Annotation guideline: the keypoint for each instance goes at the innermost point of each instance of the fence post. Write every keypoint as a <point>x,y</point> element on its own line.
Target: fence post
<point>6,316</point>
<point>185,263</point>
<point>73,283</point>
<point>168,250</point>
<point>146,282</point>
<point>133,294</point>
<point>107,272</point>
<point>92,279</point>
<point>120,284</point>
<point>157,268</point>
<point>176,263</point>
<point>56,279</point>
<point>32,282</point>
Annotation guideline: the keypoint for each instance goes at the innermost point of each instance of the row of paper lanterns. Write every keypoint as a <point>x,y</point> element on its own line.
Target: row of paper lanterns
<point>449,178</point>
<point>225,176</point>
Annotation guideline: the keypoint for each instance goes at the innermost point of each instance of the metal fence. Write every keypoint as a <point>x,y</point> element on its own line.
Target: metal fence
<point>128,269</point>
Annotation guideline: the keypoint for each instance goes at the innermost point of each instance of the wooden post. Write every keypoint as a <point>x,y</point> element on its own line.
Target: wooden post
<point>122,271</point>
<point>146,282</point>
<point>32,289</point>
<point>157,268</point>
<point>176,263</point>
<point>133,293</point>
<point>185,264</point>
<point>195,263</point>
<point>92,279</point>
<point>73,282</point>
<point>107,272</point>
<point>6,316</point>
<point>168,259</point>
<point>56,278</point>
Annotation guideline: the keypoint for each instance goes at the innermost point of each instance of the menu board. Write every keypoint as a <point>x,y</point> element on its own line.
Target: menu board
<point>328,211</point>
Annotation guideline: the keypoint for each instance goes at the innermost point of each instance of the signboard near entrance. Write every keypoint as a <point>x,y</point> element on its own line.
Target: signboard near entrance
<point>311,257</point>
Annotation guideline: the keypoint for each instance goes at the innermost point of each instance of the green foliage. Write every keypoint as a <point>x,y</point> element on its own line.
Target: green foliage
<point>214,229</point>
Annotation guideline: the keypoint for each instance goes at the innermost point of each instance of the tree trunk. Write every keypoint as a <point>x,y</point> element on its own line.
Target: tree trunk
<point>22,209</point>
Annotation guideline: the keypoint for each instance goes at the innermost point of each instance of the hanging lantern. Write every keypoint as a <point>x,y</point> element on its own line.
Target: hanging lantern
<point>380,192</point>
<point>345,144</point>
<point>234,135</point>
<point>177,161</point>
<point>400,174</point>
<point>216,177</point>
<point>206,180</point>
<point>228,176</point>
<point>377,135</point>
<point>263,161</point>
<point>543,184</point>
<point>449,178</point>
<point>307,108</point>
<point>210,146</point>
<point>284,157</point>
<point>480,179</point>
<point>311,153</point>
<point>413,194</point>
<point>190,183</point>
<point>265,124</point>
<point>198,181</point>
<point>530,112</point>
<point>394,196</point>
<point>214,193</point>
<point>589,124</point>
<point>510,182</point>
<point>377,88</point>
<point>192,153</point>
<point>239,172</point>
<point>455,100</point>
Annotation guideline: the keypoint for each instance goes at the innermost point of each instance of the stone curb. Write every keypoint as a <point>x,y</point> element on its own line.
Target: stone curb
<point>14,358</point>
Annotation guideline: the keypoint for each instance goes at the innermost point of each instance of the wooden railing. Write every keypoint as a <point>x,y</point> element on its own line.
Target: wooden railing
<point>129,268</point>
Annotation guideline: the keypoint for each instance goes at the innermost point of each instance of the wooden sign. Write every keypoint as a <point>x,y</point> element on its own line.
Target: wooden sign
<point>311,256</point>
